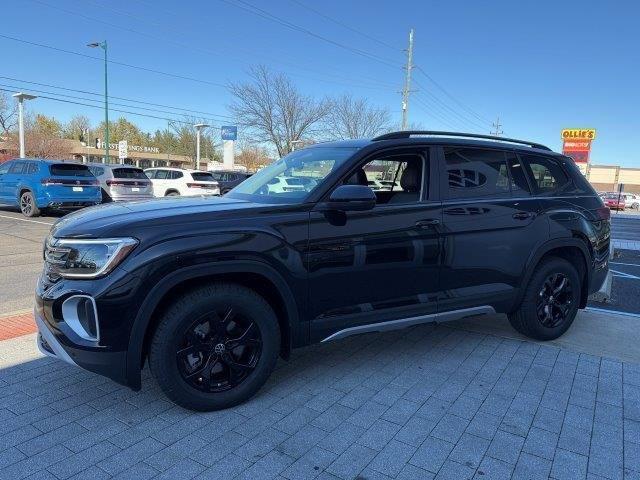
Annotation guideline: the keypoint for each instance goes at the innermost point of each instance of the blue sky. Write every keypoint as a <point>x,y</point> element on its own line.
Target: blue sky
<point>541,66</point>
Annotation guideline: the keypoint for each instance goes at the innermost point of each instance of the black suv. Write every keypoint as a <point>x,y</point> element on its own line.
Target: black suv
<point>228,179</point>
<point>210,291</point>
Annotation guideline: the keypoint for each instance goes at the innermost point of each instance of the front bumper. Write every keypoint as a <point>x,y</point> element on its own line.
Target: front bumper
<point>57,339</point>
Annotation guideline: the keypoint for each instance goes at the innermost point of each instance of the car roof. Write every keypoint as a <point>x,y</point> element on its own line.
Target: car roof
<point>111,165</point>
<point>44,160</point>
<point>433,140</point>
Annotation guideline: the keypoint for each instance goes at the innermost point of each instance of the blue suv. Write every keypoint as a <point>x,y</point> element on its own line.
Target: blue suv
<point>34,184</point>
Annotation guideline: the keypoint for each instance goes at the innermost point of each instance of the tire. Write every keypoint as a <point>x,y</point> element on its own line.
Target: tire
<point>171,369</point>
<point>171,193</point>
<point>27,204</point>
<point>526,319</point>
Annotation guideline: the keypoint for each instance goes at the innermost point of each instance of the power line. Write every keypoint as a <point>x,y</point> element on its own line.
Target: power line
<point>432,110</point>
<point>181,45</point>
<point>100,101</point>
<point>117,98</point>
<point>465,120</point>
<point>113,62</point>
<point>265,14</point>
<point>101,107</point>
<point>443,90</point>
<point>344,25</point>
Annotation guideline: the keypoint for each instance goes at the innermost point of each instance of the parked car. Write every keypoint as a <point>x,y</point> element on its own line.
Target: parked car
<point>168,182</point>
<point>228,179</point>
<point>632,200</point>
<point>121,182</point>
<point>211,290</point>
<point>279,185</point>
<point>34,184</point>
<point>615,201</point>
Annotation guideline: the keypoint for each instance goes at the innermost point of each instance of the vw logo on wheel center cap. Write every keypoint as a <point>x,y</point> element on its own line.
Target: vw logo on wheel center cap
<point>219,348</point>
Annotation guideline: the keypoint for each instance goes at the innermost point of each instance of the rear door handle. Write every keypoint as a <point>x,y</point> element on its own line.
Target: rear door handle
<point>429,222</point>
<point>522,215</point>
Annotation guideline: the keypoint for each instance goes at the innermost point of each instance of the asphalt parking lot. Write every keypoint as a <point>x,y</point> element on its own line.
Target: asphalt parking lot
<point>468,399</point>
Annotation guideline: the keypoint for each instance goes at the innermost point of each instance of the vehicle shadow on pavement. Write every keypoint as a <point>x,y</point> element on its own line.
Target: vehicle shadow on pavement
<point>390,403</point>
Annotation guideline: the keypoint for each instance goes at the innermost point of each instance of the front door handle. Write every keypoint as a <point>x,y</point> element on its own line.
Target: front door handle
<point>429,222</point>
<point>522,215</point>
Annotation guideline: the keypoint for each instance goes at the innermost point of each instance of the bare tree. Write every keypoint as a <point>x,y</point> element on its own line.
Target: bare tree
<point>8,114</point>
<point>272,109</point>
<point>355,118</point>
<point>78,128</point>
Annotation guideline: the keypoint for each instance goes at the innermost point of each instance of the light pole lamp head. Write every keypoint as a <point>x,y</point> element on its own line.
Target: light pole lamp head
<point>201,125</point>
<point>24,96</point>
<point>102,45</point>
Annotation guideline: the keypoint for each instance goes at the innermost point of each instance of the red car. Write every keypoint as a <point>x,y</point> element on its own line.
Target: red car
<point>614,201</point>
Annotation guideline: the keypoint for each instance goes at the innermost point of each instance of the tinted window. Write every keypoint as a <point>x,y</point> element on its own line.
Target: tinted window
<point>174,175</point>
<point>97,171</point>
<point>150,173</point>
<point>32,167</point>
<point>547,175</point>
<point>475,173</point>
<point>17,167</point>
<point>70,170</point>
<point>129,173</point>
<point>162,174</point>
<point>202,176</point>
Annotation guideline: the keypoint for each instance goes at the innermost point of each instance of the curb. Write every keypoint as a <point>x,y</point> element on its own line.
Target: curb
<point>17,325</point>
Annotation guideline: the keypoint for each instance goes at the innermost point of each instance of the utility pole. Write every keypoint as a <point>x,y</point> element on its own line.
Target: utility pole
<point>497,127</point>
<point>407,82</point>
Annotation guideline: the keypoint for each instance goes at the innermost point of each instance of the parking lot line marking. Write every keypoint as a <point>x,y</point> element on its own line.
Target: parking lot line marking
<point>616,312</point>
<point>624,275</point>
<point>25,220</point>
<point>627,264</point>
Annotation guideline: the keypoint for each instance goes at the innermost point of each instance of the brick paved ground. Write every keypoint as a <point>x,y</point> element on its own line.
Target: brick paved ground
<point>12,326</point>
<point>430,402</point>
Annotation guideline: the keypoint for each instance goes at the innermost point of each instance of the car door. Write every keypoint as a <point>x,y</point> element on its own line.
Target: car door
<point>4,176</point>
<point>367,267</point>
<point>490,226</point>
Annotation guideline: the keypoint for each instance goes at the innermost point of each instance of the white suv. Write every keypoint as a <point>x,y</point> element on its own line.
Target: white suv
<point>177,181</point>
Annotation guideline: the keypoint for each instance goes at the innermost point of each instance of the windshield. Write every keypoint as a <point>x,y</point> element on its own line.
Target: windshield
<point>292,178</point>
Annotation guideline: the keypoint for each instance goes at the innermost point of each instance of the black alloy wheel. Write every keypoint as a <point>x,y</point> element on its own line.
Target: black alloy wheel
<point>28,205</point>
<point>555,300</point>
<point>219,350</point>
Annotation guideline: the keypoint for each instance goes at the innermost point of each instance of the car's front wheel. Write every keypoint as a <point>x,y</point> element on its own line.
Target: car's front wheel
<point>215,347</point>
<point>550,301</point>
<point>28,205</point>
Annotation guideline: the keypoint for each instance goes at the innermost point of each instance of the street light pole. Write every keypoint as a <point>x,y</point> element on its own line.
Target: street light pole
<point>103,45</point>
<point>21,97</point>
<point>199,127</point>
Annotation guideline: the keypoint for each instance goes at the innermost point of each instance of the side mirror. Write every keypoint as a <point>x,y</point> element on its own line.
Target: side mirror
<point>348,198</point>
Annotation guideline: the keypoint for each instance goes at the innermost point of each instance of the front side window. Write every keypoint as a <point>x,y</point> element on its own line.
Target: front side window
<point>4,168</point>
<point>394,178</point>
<point>475,173</point>
<point>161,174</point>
<point>547,174</point>
<point>292,178</point>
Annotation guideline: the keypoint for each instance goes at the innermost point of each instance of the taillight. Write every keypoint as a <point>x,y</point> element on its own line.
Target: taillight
<point>200,185</point>
<point>125,183</point>
<point>51,181</point>
<point>603,213</point>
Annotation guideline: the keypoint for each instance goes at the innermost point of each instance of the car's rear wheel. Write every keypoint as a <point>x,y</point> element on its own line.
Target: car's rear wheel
<point>171,193</point>
<point>215,347</point>
<point>28,205</point>
<point>550,301</point>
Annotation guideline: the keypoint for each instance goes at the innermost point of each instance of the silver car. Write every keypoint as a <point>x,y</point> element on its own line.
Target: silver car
<point>121,182</point>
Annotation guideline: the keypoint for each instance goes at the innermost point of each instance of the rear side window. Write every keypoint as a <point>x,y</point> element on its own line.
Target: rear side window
<point>547,175</point>
<point>32,167</point>
<point>136,173</point>
<point>69,170</point>
<point>17,167</point>
<point>202,177</point>
<point>174,174</point>
<point>472,173</point>
<point>150,173</point>
<point>162,174</point>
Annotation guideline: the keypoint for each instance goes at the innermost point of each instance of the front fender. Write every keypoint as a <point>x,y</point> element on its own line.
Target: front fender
<point>134,359</point>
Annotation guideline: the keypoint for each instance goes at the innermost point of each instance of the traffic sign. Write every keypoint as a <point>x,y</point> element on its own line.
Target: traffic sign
<point>122,149</point>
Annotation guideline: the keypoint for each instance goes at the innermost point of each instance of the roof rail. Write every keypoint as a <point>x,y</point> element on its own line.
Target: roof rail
<point>410,133</point>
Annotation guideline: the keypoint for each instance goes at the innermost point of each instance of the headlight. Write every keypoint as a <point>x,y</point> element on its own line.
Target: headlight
<point>85,258</point>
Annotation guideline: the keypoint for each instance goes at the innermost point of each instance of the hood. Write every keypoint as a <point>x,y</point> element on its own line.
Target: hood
<point>127,218</point>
